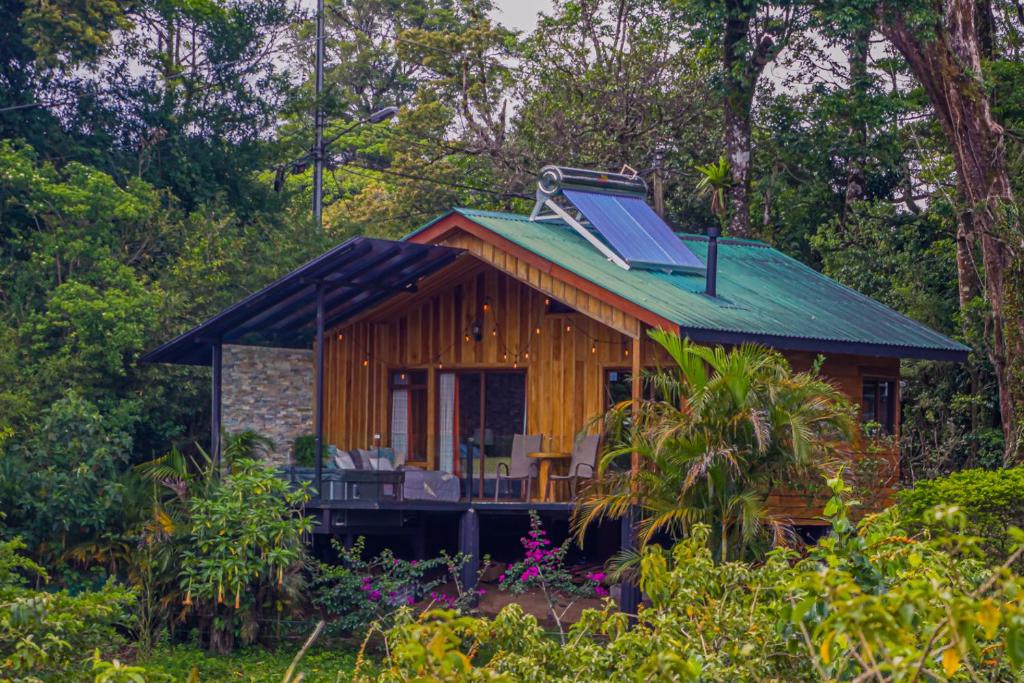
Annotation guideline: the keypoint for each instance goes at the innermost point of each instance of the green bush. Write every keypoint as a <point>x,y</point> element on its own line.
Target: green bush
<point>51,635</point>
<point>324,663</point>
<point>245,554</point>
<point>304,451</point>
<point>991,501</point>
<point>355,592</point>
<point>865,604</point>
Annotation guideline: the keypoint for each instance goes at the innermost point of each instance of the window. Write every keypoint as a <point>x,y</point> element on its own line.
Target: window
<point>409,415</point>
<point>878,403</point>
<point>618,387</point>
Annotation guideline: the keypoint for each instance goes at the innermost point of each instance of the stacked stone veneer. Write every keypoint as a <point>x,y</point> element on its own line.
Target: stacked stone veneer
<point>270,391</point>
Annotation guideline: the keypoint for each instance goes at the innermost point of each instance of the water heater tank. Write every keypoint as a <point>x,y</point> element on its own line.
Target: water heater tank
<point>552,179</point>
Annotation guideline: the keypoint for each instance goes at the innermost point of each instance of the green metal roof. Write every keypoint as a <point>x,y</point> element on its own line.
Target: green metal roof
<point>763,295</point>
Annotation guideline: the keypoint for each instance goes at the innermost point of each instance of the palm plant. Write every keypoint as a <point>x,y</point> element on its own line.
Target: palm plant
<point>715,179</point>
<point>728,426</point>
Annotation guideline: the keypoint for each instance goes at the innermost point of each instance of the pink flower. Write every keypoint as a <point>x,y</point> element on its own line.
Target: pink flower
<point>375,595</point>
<point>501,579</point>
<point>596,577</point>
<point>600,591</point>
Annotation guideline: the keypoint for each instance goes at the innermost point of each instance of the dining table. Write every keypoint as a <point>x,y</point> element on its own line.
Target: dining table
<point>545,459</point>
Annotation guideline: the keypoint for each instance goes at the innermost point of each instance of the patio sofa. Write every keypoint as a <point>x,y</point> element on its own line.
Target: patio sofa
<point>370,476</point>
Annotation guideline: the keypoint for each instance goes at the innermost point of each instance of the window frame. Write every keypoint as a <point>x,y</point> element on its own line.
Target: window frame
<point>410,388</point>
<point>890,408</point>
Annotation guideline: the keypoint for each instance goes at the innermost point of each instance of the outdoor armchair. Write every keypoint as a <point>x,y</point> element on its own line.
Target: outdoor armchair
<point>522,467</point>
<point>582,466</point>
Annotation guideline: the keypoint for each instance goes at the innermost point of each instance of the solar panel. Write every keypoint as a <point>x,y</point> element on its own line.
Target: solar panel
<point>634,231</point>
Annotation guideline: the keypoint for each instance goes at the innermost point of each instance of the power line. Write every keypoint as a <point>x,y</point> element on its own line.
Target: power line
<point>409,176</point>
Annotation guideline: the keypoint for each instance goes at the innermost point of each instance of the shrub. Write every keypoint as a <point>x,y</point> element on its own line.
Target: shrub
<point>356,593</point>
<point>49,636</point>
<point>246,539</point>
<point>543,567</point>
<point>866,604</point>
<point>992,501</point>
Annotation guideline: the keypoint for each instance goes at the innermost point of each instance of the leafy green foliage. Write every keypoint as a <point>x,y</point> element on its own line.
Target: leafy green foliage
<point>48,634</point>
<point>867,603</point>
<point>728,426</point>
<point>324,663</point>
<point>244,539</point>
<point>358,594</point>
<point>991,503</point>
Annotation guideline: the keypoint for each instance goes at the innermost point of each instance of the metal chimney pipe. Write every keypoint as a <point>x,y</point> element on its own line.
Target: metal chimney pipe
<point>712,264</point>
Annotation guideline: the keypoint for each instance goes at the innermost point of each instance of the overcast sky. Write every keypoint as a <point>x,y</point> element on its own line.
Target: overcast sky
<point>520,14</point>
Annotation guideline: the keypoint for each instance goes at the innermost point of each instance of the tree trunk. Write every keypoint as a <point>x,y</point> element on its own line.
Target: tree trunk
<point>740,81</point>
<point>860,81</point>
<point>947,63</point>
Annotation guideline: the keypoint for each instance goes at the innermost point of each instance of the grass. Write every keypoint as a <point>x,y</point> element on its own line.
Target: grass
<point>322,664</point>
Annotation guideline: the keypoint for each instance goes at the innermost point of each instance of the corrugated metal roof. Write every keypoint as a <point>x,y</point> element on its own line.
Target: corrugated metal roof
<point>763,295</point>
<point>356,275</point>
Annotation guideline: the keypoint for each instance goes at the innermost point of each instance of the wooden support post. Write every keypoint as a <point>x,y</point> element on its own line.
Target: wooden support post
<point>319,390</point>
<point>469,544</point>
<point>216,363</point>
<point>629,596</point>
<point>637,391</point>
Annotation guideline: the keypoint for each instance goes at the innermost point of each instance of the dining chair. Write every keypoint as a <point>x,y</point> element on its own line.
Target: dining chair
<point>522,466</point>
<point>582,466</point>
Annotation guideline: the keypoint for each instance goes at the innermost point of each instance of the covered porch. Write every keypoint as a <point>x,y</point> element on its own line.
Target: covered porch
<point>415,369</point>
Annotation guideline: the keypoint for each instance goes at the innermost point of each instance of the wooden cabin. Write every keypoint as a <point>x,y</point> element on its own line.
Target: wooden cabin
<point>481,325</point>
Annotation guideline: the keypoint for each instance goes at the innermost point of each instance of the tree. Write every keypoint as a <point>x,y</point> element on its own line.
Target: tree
<point>751,34</point>
<point>728,428</point>
<point>940,41</point>
<point>610,83</point>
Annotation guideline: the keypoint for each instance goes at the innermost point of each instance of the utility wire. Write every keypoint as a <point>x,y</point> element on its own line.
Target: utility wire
<point>409,176</point>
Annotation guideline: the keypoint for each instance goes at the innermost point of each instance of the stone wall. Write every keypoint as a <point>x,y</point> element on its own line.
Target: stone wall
<point>270,391</point>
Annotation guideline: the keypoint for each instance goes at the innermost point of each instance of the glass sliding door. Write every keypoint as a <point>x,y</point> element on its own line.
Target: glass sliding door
<point>489,409</point>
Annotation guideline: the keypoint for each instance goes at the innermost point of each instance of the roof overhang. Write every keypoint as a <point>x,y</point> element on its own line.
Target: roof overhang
<point>444,224</point>
<point>824,346</point>
<point>356,276</point>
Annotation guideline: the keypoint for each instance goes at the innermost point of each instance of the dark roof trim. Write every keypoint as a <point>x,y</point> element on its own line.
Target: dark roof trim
<point>824,346</point>
<point>358,274</point>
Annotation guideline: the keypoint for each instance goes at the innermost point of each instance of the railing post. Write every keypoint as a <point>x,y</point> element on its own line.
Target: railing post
<point>319,391</point>
<point>469,544</point>
<point>216,383</point>
<point>629,595</point>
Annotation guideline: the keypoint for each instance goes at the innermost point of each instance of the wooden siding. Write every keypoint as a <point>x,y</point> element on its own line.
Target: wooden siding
<point>565,364</point>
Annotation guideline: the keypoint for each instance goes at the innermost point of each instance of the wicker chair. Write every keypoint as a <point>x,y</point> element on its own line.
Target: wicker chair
<point>582,466</point>
<point>522,468</point>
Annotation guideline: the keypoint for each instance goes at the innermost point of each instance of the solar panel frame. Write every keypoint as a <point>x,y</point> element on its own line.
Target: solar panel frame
<point>632,229</point>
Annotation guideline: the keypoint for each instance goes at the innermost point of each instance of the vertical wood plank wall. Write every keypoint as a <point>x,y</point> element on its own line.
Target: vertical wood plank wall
<point>564,363</point>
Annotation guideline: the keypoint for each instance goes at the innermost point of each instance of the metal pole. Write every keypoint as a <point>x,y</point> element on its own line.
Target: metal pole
<point>318,144</point>
<point>216,363</point>
<point>319,388</point>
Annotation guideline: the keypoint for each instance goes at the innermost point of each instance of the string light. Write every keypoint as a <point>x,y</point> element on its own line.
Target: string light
<point>526,356</point>
<point>593,347</point>
<point>536,330</point>
<point>487,307</point>
<point>568,328</point>
<point>366,361</point>
<point>494,332</point>
<point>547,302</point>
<point>466,338</point>
<point>341,337</point>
